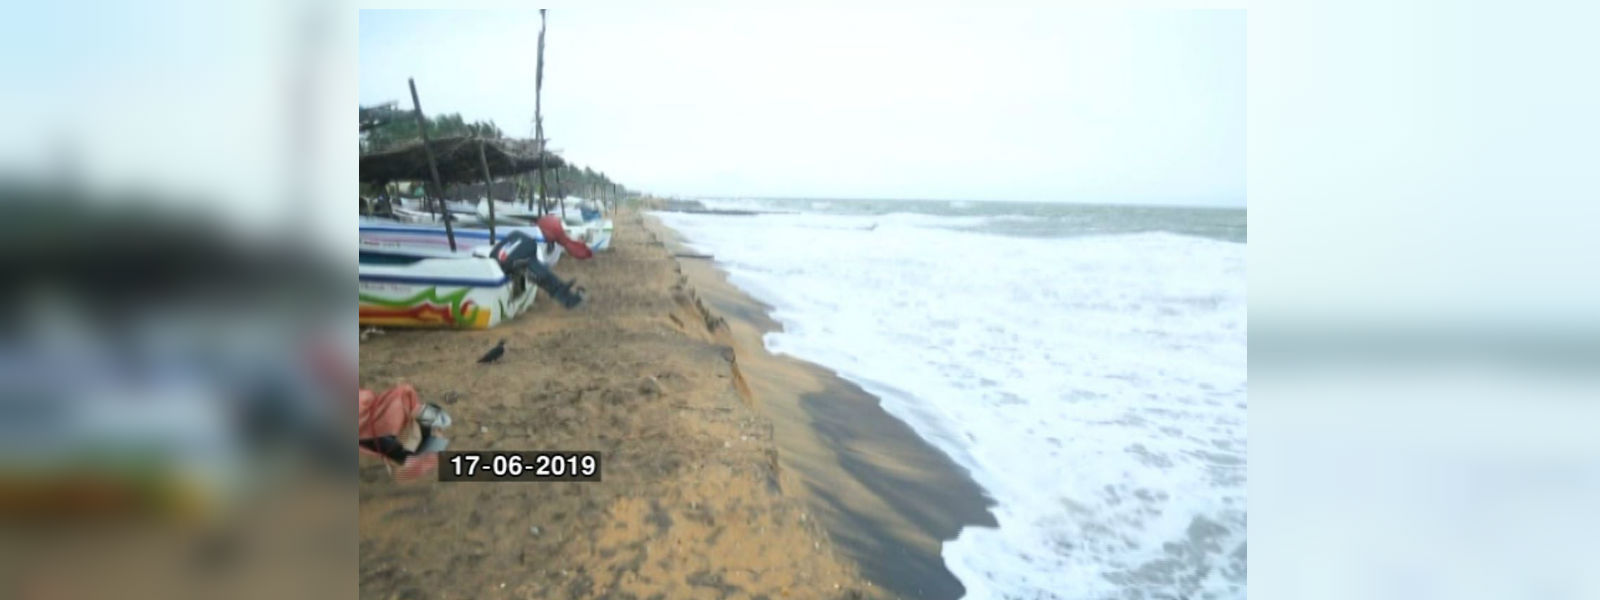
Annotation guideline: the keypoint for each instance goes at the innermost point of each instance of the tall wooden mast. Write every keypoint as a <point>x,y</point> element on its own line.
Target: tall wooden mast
<point>433,166</point>
<point>538,116</point>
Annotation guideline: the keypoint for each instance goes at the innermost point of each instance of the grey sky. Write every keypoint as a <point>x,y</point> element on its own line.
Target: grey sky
<point>1053,105</point>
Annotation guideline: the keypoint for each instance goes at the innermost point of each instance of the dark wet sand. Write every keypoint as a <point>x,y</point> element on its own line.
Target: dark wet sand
<point>888,498</point>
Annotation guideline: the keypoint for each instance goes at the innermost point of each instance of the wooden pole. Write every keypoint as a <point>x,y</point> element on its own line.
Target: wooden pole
<point>538,117</point>
<point>556,185</point>
<point>433,166</point>
<point>488,187</point>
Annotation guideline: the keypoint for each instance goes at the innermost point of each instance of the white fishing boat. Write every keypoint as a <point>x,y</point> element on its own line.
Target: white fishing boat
<point>585,220</point>
<point>506,212</point>
<point>462,207</point>
<point>600,235</point>
<point>594,233</point>
<point>475,292</point>
<point>430,241</point>
<point>600,227</point>
<point>581,231</point>
<point>411,215</point>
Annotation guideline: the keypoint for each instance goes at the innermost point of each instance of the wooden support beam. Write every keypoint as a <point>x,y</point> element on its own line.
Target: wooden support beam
<point>433,166</point>
<point>538,117</point>
<point>488,187</point>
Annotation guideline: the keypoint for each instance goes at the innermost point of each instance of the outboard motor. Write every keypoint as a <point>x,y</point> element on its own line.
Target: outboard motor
<point>518,253</point>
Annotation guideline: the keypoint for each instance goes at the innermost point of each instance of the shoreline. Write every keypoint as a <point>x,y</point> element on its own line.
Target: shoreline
<point>697,497</point>
<point>889,498</point>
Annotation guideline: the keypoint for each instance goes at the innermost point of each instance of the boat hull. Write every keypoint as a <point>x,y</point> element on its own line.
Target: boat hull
<point>600,233</point>
<point>424,218</point>
<point>451,293</point>
<point>595,233</point>
<point>430,241</point>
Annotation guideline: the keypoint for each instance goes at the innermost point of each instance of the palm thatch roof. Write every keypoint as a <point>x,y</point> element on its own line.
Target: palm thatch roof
<point>373,117</point>
<point>457,158</point>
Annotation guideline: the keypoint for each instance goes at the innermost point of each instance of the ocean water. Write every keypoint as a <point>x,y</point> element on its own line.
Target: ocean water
<point>1086,364</point>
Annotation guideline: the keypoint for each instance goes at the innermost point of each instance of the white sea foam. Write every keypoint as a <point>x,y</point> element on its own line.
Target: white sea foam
<point>734,204</point>
<point>1095,386</point>
<point>1015,218</point>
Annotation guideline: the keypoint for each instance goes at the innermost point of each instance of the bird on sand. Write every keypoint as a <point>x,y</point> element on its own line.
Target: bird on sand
<point>494,353</point>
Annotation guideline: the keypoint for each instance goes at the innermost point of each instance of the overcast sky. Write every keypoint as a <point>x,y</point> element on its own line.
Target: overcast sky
<point>1046,105</point>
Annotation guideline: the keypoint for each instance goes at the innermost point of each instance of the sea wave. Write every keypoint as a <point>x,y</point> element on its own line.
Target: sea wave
<point>1094,385</point>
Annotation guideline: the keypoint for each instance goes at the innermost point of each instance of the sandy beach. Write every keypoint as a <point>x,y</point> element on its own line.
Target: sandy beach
<point>696,500</point>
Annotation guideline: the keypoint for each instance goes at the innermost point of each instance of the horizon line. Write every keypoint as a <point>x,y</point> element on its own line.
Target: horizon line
<point>856,199</point>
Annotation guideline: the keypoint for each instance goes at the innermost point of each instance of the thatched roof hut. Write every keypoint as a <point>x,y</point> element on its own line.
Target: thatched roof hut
<point>457,158</point>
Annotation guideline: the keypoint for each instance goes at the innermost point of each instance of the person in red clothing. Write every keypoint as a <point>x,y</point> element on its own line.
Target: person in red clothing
<point>550,226</point>
<point>398,427</point>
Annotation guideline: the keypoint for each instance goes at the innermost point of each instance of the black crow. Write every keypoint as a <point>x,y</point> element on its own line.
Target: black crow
<point>494,353</point>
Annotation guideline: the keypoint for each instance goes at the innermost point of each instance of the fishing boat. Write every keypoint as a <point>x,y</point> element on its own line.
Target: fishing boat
<point>600,235</point>
<point>430,241</point>
<point>584,219</point>
<point>461,207</point>
<point>411,215</point>
<point>475,292</point>
<point>600,228</point>
<point>594,233</point>
<point>506,212</point>
<point>590,228</point>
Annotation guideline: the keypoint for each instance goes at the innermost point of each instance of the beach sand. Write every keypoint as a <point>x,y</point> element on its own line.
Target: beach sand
<point>695,501</point>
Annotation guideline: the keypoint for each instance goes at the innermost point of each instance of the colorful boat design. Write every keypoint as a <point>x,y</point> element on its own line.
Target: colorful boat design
<point>397,290</point>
